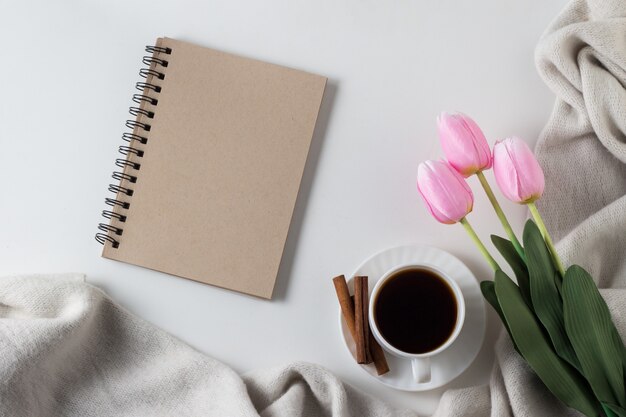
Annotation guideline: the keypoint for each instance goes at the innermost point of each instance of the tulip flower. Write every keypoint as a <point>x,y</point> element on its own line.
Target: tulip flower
<point>463,143</point>
<point>448,198</point>
<point>467,150</point>
<point>521,180</point>
<point>446,194</point>
<point>517,172</point>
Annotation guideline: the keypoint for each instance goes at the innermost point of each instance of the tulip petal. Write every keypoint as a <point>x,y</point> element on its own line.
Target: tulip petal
<point>517,172</point>
<point>530,175</point>
<point>513,171</point>
<point>484,153</point>
<point>447,196</point>
<point>463,143</point>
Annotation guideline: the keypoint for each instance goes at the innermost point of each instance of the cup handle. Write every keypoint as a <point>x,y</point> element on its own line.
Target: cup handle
<point>421,369</point>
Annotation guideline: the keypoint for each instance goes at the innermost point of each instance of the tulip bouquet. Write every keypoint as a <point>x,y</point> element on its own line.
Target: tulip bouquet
<point>556,318</point>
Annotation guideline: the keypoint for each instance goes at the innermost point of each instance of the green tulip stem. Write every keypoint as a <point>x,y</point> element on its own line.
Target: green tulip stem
<point>470,231</point>
<point>546,236</point>
<point>500,214</point>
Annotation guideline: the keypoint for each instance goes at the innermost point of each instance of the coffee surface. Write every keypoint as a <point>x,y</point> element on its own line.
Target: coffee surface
<point>415,311</point>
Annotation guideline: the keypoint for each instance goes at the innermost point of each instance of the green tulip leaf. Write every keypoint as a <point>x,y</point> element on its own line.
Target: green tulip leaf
<point>594,337</point>
<point>557,375</point>
<point>510,255</point>
<point>546,298</point>
<point>613,410</point>
<point>489,292</point>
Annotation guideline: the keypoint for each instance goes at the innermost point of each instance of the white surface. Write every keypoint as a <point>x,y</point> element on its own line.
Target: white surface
<point>67,73</point>
<point>454,359</point>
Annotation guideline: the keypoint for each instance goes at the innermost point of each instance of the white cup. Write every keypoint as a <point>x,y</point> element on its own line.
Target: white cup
<point>420,362</point>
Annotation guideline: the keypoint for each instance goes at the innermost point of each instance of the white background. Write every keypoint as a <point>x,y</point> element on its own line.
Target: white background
<point>67,72</point>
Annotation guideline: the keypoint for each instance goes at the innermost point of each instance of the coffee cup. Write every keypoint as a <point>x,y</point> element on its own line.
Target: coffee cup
<point>416,312</point>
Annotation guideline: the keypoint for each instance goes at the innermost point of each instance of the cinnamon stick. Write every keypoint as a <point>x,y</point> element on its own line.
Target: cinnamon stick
<point>359,321</point>
<point>347,309</point>
<point>345,302</point>
<point>365,296</point>
<point>378,356</point>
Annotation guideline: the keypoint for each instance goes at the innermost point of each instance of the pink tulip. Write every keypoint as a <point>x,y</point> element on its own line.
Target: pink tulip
<point>445,192</point>
<point>517,172</point>
<point>463,143</point>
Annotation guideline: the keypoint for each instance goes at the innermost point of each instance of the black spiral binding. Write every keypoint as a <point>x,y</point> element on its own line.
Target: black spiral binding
<point>134,151</point>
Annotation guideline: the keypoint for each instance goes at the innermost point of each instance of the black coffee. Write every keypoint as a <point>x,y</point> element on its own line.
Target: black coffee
<point>415,310</point>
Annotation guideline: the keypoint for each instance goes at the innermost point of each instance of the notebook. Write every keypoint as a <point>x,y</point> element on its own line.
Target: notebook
<point>207,183</point>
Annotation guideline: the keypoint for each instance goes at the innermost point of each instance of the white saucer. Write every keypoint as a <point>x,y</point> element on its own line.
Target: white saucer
<point>457,358</point>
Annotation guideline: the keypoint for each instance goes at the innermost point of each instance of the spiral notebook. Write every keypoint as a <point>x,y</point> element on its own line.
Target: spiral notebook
<point>208,180</point>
